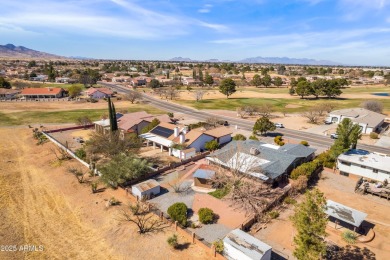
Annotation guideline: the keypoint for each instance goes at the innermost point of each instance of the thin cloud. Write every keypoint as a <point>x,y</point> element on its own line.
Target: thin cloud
<point>205,9</point>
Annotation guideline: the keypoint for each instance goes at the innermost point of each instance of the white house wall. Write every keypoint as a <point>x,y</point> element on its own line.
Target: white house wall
<point>366,172</point>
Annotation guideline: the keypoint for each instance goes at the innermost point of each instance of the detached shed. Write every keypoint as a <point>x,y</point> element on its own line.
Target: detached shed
<point>347,215</point>
<point>239,245</point>
<point>203,177</point>
<point>146,189</point>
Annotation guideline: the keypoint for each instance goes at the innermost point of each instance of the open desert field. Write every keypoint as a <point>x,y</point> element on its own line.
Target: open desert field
<point>43,205</point>
<point>24,113</point>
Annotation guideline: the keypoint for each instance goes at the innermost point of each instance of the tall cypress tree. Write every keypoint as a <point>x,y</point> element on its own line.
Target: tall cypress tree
<point>114,121</point>
<point>110,113</point>
<point>310,221</point>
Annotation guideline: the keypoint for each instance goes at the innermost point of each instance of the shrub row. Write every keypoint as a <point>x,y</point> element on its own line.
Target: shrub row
<point>279,140</point>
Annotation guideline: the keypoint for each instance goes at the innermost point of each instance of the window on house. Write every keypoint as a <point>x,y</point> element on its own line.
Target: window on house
<point>346,163</point>
<point>375,170</point>
<point>362,166</point>
<point>344,173</point>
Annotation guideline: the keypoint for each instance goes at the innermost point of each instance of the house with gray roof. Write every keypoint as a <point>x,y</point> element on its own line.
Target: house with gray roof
<point>267,162</point>
<point>368,121</point>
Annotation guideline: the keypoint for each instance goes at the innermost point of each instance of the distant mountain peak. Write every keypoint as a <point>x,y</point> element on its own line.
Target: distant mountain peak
<point>11,51</point>
<point>286,60</point>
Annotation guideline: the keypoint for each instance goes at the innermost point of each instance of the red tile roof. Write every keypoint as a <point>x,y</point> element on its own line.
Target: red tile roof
<point>41,91</point>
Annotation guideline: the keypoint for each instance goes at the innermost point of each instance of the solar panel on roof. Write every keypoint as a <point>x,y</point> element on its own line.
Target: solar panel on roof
<point>162,131</point>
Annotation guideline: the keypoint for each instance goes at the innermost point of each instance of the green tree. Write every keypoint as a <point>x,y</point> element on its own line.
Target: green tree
<point>239,137</point>
<point>319,86</point>
<point>310,221</point>
<point>208,79</point>
<point>206,215</point>
<point>333,88</point>
<point>74,91</point>
<point>256,81</point>
<point>278,81</point>
<point>303,89</point>
<point>4,83</point>
<point>263,125</point>
<point>227,87</point>
<point>211,145</point>
<point>178,212</point>
<point>123,168</point>
<point>348,134</point>
<point>154,83</point>
<point>266,80</point>
<point>112,116</point>
<point>155,122</point>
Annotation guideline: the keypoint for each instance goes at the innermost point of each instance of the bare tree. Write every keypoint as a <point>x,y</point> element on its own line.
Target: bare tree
<point>328,107</point>
<point>199,95</point>
<point>170,93</point>
<point>133,96</point>
<point>180,187</point>
<point>241,112</point>
<point>214,121</point>
<point>265,110</point>
<point>251,110</point>
<point>141,216</point>
<point>61,154</point>
<point>373,105</point>
<point>244,191</point>
<point>312,114</point>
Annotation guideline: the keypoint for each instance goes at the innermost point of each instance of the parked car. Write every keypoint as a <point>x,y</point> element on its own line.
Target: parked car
<point>328,122</point>
<point>226,123</point>
<point>334,136</point>
<point>279,125</point>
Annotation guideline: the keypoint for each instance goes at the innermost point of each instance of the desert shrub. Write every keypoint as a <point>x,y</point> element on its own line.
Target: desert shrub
<point>253,137</point>
<point>305,143</point>
<point>279,140</point>
<point>81,153</point>
<point>349,237</point>
<point>172,241</point>
<point>220,193</point>
<point>239,137</point>
<point>306,169</point>
<point>178,212</point>
<point>206,215</point>
<point>218,246</point>
<point>212,145</point>
<point>290,201</point>
<point>299,185</point>
<point>374,135</point>
<point>281,143</point>
<point>273,214</point>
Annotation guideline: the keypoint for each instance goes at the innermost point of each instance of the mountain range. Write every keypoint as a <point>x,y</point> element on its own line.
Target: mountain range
<point>12,51</point>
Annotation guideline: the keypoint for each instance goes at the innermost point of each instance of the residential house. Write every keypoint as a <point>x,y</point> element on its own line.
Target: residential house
<point>238,245</point>
<point>138,81</point>
<point>189,81</point>
<point>364,164</point>
<point>98,93</point>
<point>8,93</point>
<point>203,177</point>
<point>103,125</point>
<point>63,80</point>
<point>368,121</point>
<point>135,122</point>
<point>182,143</point>
<point>43,92</point>
<point>39,78</point>
<point>267,162</point>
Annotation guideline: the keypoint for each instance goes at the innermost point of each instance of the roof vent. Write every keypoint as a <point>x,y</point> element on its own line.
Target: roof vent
<point>254,151</point>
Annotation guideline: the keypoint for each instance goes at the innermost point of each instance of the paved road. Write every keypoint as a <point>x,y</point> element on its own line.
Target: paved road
<point>313,139</point>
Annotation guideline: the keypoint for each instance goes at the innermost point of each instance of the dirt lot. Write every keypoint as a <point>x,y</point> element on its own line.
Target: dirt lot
<point>280,232</point>
<point>42,204</point>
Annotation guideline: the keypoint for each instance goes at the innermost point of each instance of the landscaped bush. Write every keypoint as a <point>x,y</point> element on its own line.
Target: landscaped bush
<point>212,145</point>
<point>273,214</point>
<point>239,137</point>
<point>178,212</point>
<point>349,237</point>
<point>218,246</point>
<point>220,193</point>
<point>306,169</point>
<point>206,215</point>
<point>326,159</point>
<point>253,137</point>
<point>374,135</point>
<point>172,241</point>
<point>279,140</point>
<point>305,143</point>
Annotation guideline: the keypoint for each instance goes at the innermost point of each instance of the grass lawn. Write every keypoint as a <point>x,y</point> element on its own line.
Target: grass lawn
<point>279,104</point>
<point>67,116</point>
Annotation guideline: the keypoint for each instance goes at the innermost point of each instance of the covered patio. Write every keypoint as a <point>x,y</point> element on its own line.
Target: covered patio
<point>345,216</point>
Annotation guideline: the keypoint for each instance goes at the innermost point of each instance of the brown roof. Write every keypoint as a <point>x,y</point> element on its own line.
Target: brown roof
<point>191,136</point>
<point>127,121</point>
<point>41,91</point>
<point>219,132</point>
<point>103,90</point>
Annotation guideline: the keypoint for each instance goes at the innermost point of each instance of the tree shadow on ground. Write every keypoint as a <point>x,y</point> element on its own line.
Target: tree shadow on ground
<point>183,246</point>
<point>349,252</point>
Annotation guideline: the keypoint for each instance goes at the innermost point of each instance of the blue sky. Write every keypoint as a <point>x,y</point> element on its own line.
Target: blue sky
<point>345,31</point>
